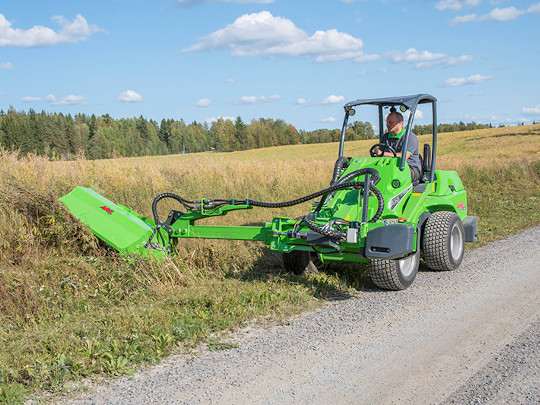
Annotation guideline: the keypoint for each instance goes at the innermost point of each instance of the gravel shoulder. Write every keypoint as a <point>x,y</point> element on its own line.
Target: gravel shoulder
<point>468,336</point>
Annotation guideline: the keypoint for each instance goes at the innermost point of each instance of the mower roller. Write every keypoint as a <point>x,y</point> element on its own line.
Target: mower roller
<point>372,213</point>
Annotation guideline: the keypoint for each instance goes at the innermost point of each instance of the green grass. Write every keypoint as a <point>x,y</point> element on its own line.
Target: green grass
<point>72,309</point>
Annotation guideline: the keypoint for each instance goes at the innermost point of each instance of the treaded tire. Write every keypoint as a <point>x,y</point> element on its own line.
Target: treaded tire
<point>443,241</point>
<point>395,275</point>
<point>300,262</point>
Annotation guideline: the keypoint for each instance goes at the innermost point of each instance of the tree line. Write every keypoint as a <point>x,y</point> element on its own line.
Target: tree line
<point>61,136</point>
<point>455,127</point>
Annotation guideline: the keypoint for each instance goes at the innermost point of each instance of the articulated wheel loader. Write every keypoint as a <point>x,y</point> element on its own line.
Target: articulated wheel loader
<point>372,212</point>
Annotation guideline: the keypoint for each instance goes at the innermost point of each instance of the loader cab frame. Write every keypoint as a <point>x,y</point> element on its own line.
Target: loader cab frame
<point>403,104</point>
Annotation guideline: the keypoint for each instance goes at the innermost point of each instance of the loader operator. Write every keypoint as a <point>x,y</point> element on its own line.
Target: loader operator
<point>394,138</point>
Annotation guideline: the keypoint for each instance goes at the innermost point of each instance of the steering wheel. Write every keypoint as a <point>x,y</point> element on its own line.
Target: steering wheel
<point>382,147</point>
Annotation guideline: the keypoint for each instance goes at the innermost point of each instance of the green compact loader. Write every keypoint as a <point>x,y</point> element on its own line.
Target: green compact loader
<point>371,213</point>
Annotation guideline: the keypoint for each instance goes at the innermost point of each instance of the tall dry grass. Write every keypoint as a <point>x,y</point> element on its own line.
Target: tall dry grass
<point>496,165</point>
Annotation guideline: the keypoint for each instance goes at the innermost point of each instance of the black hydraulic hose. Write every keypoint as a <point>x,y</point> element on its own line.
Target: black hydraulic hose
<point>255,203</point>
<point>341,162</point>
<point>375,178</point>
<point>184,202</point>
<point>341,184</point>
<point>358,184</point>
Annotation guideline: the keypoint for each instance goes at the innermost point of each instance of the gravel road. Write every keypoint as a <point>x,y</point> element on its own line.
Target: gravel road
<point>468,336</point>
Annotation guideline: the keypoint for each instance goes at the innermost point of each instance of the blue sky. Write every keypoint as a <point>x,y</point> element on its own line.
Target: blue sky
<point>297,60</point>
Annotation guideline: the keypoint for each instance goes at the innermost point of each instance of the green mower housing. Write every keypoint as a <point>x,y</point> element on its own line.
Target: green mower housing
<point>372,213</point>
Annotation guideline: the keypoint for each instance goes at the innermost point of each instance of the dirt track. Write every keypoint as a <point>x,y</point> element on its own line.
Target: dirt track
<point>469,336</point>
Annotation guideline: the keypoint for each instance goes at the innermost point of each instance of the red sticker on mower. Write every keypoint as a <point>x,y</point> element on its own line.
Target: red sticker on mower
<point>107,210</point>
<point>461,206</point>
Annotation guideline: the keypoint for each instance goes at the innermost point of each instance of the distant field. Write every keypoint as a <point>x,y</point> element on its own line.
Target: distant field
<point>70,308</point>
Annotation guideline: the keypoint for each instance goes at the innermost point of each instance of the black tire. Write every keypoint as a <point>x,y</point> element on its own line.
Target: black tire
<point>395,275</point>
<point>443,241</point>
<point>300,262</point>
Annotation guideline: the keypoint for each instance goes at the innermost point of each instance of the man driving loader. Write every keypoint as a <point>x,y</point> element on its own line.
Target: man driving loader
<point>394,139</point>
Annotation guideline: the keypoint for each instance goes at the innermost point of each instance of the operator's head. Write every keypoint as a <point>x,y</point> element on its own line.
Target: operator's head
<point>394,122</point>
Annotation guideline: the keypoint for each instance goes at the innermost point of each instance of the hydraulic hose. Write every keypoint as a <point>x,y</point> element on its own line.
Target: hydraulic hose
<point>375,178</point>
<point>342,162</point>
<point>176,197</point>
<point>340,184</point>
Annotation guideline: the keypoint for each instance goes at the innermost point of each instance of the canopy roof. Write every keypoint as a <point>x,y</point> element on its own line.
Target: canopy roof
<point>408,101</point>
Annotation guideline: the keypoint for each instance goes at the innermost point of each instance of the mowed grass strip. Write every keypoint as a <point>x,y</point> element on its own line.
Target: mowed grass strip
<point>70,308</point>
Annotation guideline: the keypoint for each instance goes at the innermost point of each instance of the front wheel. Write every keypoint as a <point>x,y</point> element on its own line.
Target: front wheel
<point>443,242</point>
<point>300,262</point>
<point>394,274</point>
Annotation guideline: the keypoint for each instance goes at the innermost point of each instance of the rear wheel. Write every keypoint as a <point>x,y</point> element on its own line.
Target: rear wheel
<point>300,262</point>
<point>443,242</point>
<point>397,274</point>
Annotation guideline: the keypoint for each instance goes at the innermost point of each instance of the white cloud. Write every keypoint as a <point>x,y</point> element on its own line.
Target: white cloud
<point>30,99</point>
<point>461,81</point>
<point>535,8</point>
<point>418,115</point>
<point>455,5</point>
<point>446,61</point>
<point>70,32</point>
<point>257,100</point>
<point>263,34</point>
<point>129,96</point>
<point>229,80</point>
<point>6,65</point>
<point>425,59</point>
<point>329,119</point>
<point>68,100</point>
<point>412,55</point>
<point>531,110</point>
<point>464,19</point>
<point>504,14</point>
<point>497,14</point>
<point>332,99</point>
<point>204,102</point>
